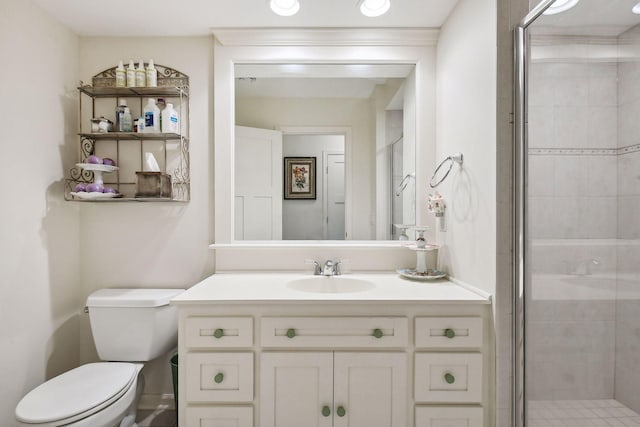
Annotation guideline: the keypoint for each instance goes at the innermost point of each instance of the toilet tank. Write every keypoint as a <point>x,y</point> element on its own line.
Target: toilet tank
<point>133,325</point>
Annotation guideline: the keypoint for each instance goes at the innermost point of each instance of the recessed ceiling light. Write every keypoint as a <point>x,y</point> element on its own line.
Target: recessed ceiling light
<point>560,6</point>
<point>373,8</point>
<point>636,9</point>
<point>285,7</point>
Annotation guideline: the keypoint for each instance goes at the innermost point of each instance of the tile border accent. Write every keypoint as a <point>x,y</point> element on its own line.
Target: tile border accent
<point>584,151</point>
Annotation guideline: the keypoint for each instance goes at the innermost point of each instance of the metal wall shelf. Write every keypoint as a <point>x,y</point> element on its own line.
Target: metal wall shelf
<point>171,84</point>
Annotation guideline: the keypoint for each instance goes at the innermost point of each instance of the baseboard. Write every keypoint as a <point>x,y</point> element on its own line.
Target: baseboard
<point>150,402</point>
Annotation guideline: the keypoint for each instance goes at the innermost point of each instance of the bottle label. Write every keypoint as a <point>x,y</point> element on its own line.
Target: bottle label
<point>148,119</point>
<point>174,120</point>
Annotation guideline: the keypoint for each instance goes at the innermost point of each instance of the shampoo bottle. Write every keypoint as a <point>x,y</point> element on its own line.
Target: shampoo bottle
<point>131,74</point>
<point>151,117</point>
<point>121,76</point>
<point>152,75</point>
<point>127,120</point>
<point>170,120</point>
<point>122,105</point>
<point>141,75</point>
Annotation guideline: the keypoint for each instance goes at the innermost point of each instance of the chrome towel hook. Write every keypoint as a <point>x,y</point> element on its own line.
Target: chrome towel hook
<point>456,158</point>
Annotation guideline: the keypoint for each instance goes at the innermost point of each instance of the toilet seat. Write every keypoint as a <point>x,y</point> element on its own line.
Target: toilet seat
<point>78,393</point>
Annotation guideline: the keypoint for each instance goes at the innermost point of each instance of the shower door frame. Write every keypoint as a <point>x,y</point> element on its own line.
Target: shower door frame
<point>520,167</point>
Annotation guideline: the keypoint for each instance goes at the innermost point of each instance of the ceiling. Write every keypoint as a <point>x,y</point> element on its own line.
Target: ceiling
<point>590,17</point>
<point>197,17</point>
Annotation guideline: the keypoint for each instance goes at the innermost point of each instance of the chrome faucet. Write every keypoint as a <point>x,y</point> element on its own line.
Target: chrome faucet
<point>330,268</point>
<point>584,267</point>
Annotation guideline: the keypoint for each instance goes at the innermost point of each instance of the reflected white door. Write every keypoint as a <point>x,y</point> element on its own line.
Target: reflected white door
<point>258,184</point>
<point>334,196</point>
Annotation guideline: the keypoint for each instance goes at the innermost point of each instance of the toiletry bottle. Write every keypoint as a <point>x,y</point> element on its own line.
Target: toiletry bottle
<point>121,75</point>
<point>126,121</point>
<point>122,104</point>
<point>140,128</point>
<point>170,120</point>
<point>151,117</point>
<point>152,75</point>
<point>131,74</point>
<point>161,103</point>
<point>141,75</point>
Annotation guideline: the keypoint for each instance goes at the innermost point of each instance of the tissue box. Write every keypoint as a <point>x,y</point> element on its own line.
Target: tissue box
<point>153,184</point>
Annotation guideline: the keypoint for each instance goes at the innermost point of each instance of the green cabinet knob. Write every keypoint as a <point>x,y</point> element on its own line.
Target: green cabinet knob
<point>450,379</point>
<point>218,333</point>
<point>341,411</point>
<point>291,332</point>
<point>377,333</point>
<point>326,411</point>
<point>449,333</point>
<point>219,378</point>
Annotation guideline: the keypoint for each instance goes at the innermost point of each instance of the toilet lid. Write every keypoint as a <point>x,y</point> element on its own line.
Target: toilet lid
<point>87,388</point>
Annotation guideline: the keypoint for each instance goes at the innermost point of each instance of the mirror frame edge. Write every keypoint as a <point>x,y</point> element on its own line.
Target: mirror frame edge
<point>421,54</point>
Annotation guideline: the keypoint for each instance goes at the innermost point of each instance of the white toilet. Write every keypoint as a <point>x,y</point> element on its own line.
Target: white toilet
<point>129,326</point>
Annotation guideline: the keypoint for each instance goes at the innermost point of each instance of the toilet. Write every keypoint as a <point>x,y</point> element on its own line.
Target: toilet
<point>130,326</point>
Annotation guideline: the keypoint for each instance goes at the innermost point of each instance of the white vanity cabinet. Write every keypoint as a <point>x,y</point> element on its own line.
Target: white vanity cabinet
<point>356,389</point>
<point>342,363</point>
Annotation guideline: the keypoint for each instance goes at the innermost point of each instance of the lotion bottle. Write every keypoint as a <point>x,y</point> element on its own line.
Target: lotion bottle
<point>170,121</point>
<point>121,75</point>
<point>151,117</point>
<point>131,74</point>
<point>141,75</point>
<point>152,75</point>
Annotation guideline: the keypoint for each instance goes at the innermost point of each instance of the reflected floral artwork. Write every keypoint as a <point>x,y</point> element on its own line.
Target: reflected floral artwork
<point>299,178</point>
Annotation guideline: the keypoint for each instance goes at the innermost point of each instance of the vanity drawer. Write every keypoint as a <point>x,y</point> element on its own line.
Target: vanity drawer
<point>218,332</point>
<point>447,416</point>
<point>448,332</point>
<point>448,377</point>
<point>334,332</point>
<point>219,377</point>
<point>219,416</point>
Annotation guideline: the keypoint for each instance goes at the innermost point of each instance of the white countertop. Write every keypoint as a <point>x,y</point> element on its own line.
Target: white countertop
<point>278,288</point>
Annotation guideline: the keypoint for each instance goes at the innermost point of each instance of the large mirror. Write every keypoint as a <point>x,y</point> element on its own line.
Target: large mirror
<point>324,151</point>
<point>322,136</point>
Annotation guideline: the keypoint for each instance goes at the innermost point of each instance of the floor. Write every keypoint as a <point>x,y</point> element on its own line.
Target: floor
<point>157,418</point>
<point>581,413</point>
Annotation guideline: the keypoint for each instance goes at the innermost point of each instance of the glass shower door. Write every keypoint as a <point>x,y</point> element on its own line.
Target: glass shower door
<point>581,205</point>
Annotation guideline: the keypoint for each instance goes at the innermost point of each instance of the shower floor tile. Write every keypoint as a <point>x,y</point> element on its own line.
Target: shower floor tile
<point>581,413</point>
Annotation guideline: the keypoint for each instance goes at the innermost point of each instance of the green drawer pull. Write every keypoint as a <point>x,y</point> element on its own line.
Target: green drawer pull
<point>377,333</point>
<point>341,411</point>
<point>291,332</point>
<point>326,411</point>
<point>449,333</point>
<point>218,333</point>
<point>219,378</point>
<point>450,379</point>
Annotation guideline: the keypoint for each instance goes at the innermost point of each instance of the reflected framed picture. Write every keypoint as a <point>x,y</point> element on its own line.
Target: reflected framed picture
<point>300,178</point>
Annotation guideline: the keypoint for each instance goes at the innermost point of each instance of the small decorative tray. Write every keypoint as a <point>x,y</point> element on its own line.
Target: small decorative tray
<point>412,274</point>
<point>94,195</point>
<point>97,167</point>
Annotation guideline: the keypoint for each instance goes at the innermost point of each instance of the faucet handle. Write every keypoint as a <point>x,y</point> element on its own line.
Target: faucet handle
<point>316,266</point>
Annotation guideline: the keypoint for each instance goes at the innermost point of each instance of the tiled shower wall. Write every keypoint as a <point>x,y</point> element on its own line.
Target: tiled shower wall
<point>627,379</point>
<point>584,183</point>
<point>573,158</point>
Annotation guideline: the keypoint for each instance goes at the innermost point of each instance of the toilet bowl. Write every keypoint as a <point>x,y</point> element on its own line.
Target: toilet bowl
<point>105,394</point>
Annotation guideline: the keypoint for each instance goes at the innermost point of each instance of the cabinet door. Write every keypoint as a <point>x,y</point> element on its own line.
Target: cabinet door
<point>371,388</point>
<point>295,388</point>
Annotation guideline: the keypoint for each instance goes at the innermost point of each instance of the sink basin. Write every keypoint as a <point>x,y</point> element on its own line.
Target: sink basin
<point>330,284</point>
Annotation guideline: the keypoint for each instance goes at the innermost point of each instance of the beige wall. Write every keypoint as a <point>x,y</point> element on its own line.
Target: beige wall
<point>39,234</point>
<point>466,117</point>
<point>155,244</point>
